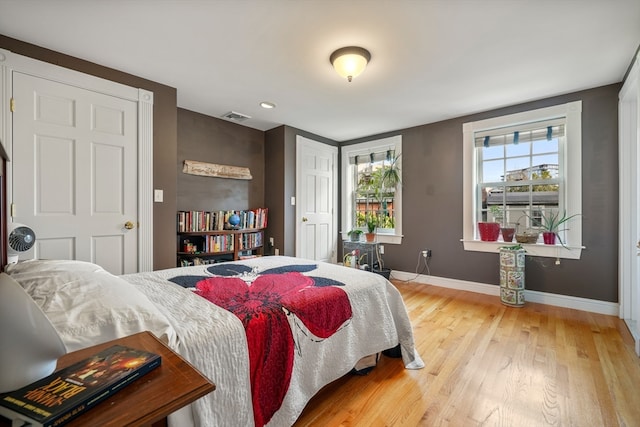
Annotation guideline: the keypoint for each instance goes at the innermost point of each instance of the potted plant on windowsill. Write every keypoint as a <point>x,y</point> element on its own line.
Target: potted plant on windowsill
<point>507,230</point>
<point>354,235</point>
<point>490,230</point>
<point>372,224</point>
<point>551,222</point>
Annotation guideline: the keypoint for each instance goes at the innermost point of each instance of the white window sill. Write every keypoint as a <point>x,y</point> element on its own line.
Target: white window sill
<point>392,239</point>
<point>533,249</point>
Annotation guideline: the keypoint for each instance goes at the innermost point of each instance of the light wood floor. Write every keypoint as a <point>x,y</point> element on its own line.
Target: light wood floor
<point>492,365</point>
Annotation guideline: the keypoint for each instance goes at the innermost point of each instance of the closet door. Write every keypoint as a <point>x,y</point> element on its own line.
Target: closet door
<point>629,158</point>
<point>75,172</point>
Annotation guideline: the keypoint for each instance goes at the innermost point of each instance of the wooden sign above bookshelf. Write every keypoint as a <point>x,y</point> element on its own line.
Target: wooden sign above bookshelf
<point>193,167</point>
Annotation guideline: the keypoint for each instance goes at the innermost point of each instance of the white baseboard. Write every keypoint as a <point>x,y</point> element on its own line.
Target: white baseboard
<point>577,303</point>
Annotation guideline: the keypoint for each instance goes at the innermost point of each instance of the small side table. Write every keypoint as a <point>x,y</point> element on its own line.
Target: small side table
<point>148,400</point>
<point>370,249</point>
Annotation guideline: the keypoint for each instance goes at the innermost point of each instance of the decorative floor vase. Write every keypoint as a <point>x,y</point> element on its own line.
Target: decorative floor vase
<point>512,262</point>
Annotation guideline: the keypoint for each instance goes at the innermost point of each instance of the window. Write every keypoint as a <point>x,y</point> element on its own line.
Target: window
<point>369,191</point>
<point>519,167</point>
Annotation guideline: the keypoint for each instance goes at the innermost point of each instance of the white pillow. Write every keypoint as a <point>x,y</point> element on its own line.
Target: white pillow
<point>88,305</point>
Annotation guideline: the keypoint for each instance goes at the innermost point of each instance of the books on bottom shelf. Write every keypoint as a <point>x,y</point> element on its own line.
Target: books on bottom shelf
<point>71,391</point>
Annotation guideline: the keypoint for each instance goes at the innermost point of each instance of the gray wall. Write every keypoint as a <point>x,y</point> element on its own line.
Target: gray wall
<point>212,140</point>
<point>432,203</point>
<point>432,193</point>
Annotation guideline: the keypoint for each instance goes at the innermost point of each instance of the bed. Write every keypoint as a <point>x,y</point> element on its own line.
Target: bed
<point>270,332</point>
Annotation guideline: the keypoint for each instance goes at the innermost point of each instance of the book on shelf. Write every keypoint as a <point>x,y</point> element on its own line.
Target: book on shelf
<point>71,391</point>
<point>203,221</point>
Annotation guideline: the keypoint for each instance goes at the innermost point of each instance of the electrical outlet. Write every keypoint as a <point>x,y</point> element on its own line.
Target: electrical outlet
<point>426,253</point>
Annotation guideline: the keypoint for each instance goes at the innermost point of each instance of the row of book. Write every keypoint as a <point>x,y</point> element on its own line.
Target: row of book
<point>197,221</point>
<point>210,244</point>
<point>250,240</point>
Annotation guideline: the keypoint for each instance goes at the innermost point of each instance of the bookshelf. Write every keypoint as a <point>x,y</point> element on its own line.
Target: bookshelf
<point>207,238</point>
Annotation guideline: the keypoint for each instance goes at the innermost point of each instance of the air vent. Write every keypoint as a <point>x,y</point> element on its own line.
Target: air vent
<point>235,117</point>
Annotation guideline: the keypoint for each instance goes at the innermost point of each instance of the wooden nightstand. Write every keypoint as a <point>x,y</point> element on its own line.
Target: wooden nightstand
<point>148,400</point>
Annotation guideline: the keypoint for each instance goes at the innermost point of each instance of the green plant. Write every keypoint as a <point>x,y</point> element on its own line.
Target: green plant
<point>512,247</point>
<point>354,234</point>
<point>372,223</point>
<point>391,173</point>
<point>551,221</point>
<point>497,212</point>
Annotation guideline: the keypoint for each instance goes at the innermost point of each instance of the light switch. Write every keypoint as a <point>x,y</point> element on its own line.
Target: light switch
<point>158,196</point>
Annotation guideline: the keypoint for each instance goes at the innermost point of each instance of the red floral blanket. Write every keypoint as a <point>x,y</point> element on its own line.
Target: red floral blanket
<point>263,302</point>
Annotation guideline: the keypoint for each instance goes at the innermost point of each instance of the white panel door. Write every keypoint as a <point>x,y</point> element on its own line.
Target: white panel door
<point>316,193</point>
<point>75,172</point>
<point>629,238</point>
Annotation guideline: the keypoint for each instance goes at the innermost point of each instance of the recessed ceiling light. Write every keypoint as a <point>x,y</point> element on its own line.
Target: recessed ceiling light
<point>267,105</point>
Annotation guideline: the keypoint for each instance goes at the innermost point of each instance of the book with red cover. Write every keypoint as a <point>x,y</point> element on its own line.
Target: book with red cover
<point>67,393</point>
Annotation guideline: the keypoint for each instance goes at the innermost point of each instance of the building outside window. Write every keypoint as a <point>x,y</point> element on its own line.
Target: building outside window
<point>520,173</point>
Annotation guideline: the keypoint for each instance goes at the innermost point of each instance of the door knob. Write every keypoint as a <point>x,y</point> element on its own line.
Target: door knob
<point>128,225</point>
<point>305,219</point>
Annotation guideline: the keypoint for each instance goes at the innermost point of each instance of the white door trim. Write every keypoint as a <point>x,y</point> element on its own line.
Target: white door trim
<point>10,62</point>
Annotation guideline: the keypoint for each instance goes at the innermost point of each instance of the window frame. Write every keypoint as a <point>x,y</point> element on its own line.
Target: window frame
<point>349,185</point>
<point>571,188</point>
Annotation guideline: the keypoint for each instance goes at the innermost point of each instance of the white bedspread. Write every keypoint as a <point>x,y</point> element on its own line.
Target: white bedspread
<point>214,341</point>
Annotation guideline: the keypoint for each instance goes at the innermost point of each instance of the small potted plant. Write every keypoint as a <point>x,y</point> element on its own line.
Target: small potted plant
<point>507,230</point>
<point>354,235</point>
<point>551,222</point>
<point>372,224</point>
<point>526,234</point>
<point>490,230</point>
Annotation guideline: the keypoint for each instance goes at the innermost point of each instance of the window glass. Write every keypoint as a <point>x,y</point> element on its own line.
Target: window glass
<point>374,199</point>
<point>372,188</point>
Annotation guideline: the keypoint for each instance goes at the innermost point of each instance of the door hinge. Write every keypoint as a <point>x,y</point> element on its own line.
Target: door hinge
<point>13,209</point>
<point>12,104</point>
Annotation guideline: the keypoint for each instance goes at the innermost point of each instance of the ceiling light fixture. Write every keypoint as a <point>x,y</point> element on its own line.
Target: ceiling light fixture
<point>268,105</point>
<point>350,61</point>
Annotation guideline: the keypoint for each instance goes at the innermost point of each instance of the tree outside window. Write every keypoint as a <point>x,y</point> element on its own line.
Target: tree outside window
<point>375,193</point>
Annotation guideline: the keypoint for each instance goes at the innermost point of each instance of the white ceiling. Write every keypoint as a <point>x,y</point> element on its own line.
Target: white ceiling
<point>431,59</point>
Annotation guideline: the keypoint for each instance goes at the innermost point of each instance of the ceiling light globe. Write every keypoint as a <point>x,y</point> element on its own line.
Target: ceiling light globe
<point>350,61</point>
